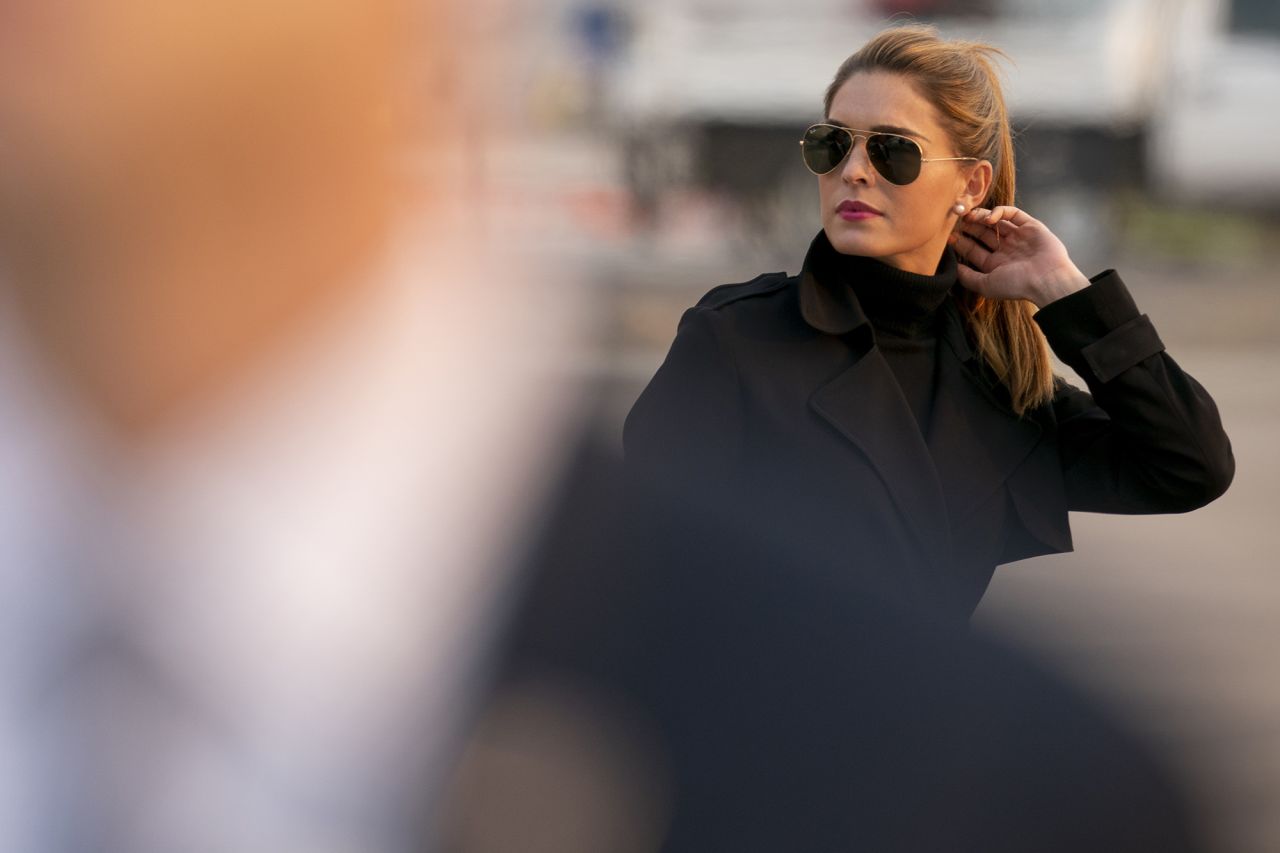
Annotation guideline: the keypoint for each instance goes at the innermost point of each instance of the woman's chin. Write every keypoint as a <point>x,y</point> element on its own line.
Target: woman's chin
<point>851,239</point>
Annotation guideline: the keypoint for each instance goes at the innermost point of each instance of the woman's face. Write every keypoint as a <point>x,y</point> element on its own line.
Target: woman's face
<point>909,224</point>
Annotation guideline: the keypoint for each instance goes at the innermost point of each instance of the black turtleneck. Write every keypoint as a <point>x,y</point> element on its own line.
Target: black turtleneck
<point>903,308</point>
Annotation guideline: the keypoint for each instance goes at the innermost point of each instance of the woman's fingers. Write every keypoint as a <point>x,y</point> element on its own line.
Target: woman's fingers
<point>971,279</point>
<point>978,214</point>
<point>982,233</point>
<point>989,236</point>
<point>1003,213</point>
<point>972,251</point>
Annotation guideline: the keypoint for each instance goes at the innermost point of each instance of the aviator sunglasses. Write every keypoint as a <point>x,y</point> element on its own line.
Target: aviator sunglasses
<point>897,158</point>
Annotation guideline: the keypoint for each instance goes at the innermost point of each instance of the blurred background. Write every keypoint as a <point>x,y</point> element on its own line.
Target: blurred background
<point>663,162</point>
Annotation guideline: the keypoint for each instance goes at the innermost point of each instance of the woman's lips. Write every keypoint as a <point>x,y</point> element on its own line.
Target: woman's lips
<point>852,211</point>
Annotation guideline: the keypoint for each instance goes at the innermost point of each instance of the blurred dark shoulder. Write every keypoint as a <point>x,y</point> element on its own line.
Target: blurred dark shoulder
<point>729,689</point>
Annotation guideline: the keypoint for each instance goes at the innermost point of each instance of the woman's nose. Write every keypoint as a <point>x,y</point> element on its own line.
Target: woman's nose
<point>856,167</point>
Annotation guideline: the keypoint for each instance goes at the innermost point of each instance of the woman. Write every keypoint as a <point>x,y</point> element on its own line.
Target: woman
<point>900,388</point>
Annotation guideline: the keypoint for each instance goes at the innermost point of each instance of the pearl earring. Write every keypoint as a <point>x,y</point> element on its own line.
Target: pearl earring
<point>959,209</point>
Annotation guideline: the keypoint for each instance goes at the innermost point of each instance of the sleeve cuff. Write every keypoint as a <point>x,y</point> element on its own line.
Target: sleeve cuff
<point>1098,331</point>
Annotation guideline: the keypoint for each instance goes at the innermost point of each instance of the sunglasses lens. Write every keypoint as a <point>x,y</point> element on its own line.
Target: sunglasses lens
<point>824,147</point>
<point>897,158</point>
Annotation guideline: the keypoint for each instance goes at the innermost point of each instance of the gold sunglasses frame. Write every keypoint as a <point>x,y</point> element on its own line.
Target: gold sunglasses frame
<point>866,135</point>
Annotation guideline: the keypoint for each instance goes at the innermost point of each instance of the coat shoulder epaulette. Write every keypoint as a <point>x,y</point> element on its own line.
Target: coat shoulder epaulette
<point>761,285</point>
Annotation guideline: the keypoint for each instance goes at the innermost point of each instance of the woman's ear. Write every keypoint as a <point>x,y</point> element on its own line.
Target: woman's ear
<point>978,184</point>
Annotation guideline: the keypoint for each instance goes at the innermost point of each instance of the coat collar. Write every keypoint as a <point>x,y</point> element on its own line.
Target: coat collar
<point>830,305</point>
<point>825,304</point>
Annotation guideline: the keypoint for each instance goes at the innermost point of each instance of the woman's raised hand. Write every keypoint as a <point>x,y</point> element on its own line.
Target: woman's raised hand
<point>1007,254</point>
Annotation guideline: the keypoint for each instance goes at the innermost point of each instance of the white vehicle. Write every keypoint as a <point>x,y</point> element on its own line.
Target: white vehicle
<point>718,91</point>
<point>1216,135</point>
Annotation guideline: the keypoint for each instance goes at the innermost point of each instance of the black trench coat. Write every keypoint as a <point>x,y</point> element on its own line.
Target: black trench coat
<point>776,386</point>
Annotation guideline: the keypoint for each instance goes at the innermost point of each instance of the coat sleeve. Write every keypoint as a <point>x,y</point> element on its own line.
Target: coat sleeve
<point>689,421</point>
<point>1147,437</point>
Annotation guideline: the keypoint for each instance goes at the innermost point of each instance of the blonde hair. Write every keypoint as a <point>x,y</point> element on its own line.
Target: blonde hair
<point>961,80</point>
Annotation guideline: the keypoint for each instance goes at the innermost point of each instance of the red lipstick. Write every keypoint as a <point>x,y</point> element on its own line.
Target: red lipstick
<point>853,211</point>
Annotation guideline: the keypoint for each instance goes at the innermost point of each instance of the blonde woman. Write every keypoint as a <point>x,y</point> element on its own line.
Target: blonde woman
<point>901,385</point>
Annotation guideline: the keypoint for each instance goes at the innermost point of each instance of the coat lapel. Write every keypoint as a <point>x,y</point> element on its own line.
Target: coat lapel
<point>865,405</point>
<point>975,439</point>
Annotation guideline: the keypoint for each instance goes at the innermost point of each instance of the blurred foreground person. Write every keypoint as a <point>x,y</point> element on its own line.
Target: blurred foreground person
<point>297,551</point>
<point>252,500</point>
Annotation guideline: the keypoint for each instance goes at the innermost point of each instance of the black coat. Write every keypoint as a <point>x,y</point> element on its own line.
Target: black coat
<point>776,385</point>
